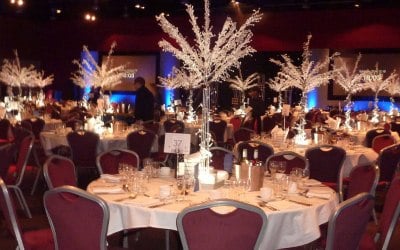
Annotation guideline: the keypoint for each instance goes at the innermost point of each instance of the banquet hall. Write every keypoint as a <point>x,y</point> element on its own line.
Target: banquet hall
<point>208,124</point>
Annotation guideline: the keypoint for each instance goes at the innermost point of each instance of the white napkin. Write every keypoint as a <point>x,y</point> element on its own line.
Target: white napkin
<point>110,178</point>
<point>142,201</point>
<point>324,193</point>
<point>312,182</point>
<point>108,189</point>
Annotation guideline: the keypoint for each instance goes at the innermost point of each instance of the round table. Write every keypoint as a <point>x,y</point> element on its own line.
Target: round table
<point>292,224</point>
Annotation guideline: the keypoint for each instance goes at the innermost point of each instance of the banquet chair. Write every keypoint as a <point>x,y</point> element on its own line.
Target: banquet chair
<point>242,134</point>
<point>222,158</point>
<point>264,150</point>
<point>203,227</point>
<point>362,179</point>
<point>326,162</point>
<point>108,162</point>
<point>5,129</point>
<point>236,122</point>
<point>173,125</point>
<point>348,223</point>
<point>141,142</point>
<point>78,219</point>
<point>381,141</point>
<point>388,161</point>
<point>83,146</point>
<point>34,239</point>
<point>152,125</point>
<point>7,152</point>
<point>15,174</point>
<point>38,156</point>
<point>59,171</point>
<point>218,127</point>
<point>387,221</point>
<point>371,134</point>
<point>36,125</point>
<point>292,159</point>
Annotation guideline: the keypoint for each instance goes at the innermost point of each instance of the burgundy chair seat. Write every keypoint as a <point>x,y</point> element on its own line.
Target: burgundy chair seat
<point>108,162</point>
<point>59,171</point>
<point>41,239</point>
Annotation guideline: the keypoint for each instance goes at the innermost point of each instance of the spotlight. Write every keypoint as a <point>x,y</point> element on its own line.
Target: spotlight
<point>20,2</point>
<point>90,17</point>
<point>357,5</point>
<point>58,11</point>
<point>12,1</point>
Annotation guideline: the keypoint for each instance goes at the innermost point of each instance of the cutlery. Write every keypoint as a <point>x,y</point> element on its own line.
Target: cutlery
<point>158,205</point>
<point>301,203</point>
<point>264,204</point>
<point>130,197</point>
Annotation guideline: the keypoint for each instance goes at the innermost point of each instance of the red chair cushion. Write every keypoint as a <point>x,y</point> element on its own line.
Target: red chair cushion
<point>41,239</point>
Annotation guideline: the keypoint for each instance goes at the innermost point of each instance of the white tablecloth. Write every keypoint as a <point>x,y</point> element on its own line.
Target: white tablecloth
<point>293,225</point>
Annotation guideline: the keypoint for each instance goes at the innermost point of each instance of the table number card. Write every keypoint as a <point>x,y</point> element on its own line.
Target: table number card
<point>177,143</point>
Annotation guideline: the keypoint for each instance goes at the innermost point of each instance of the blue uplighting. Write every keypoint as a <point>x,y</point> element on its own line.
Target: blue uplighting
<point>167,62</point>
<point>369,105</point>
<point>123,98</point>
<point>85,56</point>
<point>312,98</point>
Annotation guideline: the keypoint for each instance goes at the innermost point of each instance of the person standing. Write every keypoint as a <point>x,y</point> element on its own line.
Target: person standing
<point>257,108</point>
<point>144,104</point>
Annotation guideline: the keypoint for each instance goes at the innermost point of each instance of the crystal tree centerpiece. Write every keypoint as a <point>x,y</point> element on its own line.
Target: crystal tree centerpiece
<point>376,82</point>
<point>279,84</point>
<point>91,74</point>
<point>181,78</point>
<point>16,76</point>
<point>351,81</point>
<point>393,89</point>
<point>306,76</point>
<point>242,85</point>
<point>210,57</point>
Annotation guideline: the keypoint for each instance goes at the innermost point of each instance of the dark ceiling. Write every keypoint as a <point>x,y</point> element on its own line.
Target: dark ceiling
<point>105,9</point>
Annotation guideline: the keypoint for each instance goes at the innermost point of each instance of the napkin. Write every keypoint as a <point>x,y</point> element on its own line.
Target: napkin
<point>143,201</point>
<point>312,182</point>
<point>110,178</point>
<point>108,189</point>
<point>324,193</point>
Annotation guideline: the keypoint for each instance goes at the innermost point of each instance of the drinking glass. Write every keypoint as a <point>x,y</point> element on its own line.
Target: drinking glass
<point>180,186</point>
<point>189,184</point>
<point>273,168</point>
<point>281,167</point>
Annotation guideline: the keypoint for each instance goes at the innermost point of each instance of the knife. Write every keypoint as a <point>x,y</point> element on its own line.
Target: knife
<point>301,203</point>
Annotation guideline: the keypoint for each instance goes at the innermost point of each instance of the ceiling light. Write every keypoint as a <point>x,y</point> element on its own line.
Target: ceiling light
<point>137,6</point>
<point>58,11</point>
<point>20,2</point>
<point>357,5</point>
<point>12,1</point>
<point>90,17</point>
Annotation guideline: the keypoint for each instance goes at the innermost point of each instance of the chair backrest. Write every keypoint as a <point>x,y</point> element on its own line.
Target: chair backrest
<point>202,227</point>
<point>152,125</point>
<point>326,163</point>
<point>242,134</point>
<point>292,159</point>
<point>24,152</point>
<point>390,214</point>
<point>59,171</point>
<point>387,161</point>
<point>108,162</point>
<point>83,145</point>
<point>36,125</point>
<point>264,150</point>
<point>348,223</point>
<point>222,158</point>
<point>218,127</point>
<point>371,134</point>
<point>141,142</point>
<point>78,219</point>
<point>362,179</point>
<point>7,152</point>
<point>9,214</point>
<point>236,122</point>
<point>382,141</point>
<point>5,127</point>
<point>173,125</point>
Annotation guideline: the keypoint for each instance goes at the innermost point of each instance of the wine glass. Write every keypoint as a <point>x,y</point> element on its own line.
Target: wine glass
<point>189,185</point>
<point>180,186</point>
<point>281,167</point>
<point>273,168</point>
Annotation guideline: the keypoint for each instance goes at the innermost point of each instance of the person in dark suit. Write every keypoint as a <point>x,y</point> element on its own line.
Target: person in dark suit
<point>258,107</point>
<point>144,104</point>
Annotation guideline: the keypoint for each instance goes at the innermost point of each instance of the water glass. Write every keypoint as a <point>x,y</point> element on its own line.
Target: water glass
<point>281,167</point>
<point>273,168</point>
